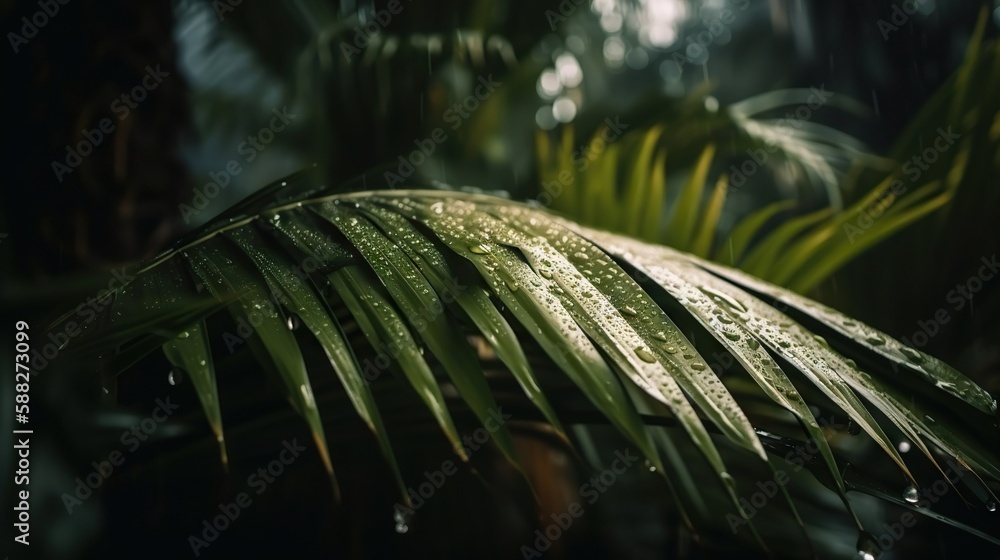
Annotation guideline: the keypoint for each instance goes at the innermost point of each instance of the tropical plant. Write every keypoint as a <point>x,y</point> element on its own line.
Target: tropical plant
<point>726,384</point>
<point>625,187</point>
<point>628,323</point>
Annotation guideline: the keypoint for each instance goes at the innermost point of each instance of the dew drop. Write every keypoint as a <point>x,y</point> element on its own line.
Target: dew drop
<point>725,299</point>
<point>645,355</point>
<point>546,273</point>
<point>479,249</point>
<point>731,336</point>
<point>904,446</point>
<point>183,334</point>
<point>875,340</point>
<point>753,343</point>
<point>911,495</point>
<point>661,336</point>
<point>174,377</point>
<point>670,349</point>
<point>628,310</point>
<point>698,366</point>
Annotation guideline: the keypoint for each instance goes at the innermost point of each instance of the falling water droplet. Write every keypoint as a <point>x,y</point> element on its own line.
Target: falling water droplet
<point>991,506</point>
<point>911,495</point>
<point>402,519</point>
<point>645,355</point>
<point>174,377</point>
<point>904,446</point>
<point>293,322</point>
<point>105,389</point>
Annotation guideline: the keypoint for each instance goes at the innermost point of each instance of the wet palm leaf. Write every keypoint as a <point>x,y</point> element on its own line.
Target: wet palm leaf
<point>618,317</point>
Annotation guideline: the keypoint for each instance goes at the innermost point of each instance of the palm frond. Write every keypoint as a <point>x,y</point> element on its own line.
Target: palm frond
<point>419,271</point>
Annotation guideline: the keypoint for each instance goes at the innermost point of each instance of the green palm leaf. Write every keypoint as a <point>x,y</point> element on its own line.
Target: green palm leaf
<point>422,269</point>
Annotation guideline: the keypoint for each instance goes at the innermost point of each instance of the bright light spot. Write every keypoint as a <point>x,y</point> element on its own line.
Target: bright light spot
<point>661,36</point>
<point>711,104</point>
<point>564,109</point>
<point>614,51</point>
<point>544,118</point>
<point>569,70</point>
<point>548,84</point>
<point>603,6</point>
<point>659,20</point>
<point>611,22</point>
<point>904,446</point>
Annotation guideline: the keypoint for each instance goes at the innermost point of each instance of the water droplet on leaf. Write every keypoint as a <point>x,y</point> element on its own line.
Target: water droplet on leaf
<point>645,355</point>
